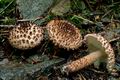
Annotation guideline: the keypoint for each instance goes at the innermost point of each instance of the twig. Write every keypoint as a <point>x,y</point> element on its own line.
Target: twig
<point>7,26</point>
<point>106,13</point>
<point>111,40</point>
<point>22,20</point>
<point>118,21</point>
<point>82,19</point>
<point>114,39</point>
<point>4,34</point>
<point>7,6</point>
<point>87,2</point>
<point>97,71</point>
<point>4,31</point>
<point>115,3</point>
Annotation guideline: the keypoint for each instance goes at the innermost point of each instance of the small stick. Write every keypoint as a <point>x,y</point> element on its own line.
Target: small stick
<point>8,26</point>
<point>115,39</point>
<point>4,31</point>
<point>88,5</point>
<point>7,6</point>
<point>78,16</point>
<point>106,13</point>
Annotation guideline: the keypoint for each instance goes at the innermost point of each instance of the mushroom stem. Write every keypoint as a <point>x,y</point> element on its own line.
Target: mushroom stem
<point>82,62</point>
<point>101,50</point>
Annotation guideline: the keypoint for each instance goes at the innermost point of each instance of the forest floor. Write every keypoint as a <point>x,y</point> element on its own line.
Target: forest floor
<point>90,16</point>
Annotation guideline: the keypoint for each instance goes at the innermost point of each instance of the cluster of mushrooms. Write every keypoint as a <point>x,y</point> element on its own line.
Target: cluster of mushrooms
<point>65,35</point>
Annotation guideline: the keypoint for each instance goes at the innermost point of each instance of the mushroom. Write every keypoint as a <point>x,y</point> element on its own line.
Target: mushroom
<point>100,50</point>
<point>25,36</point>
<point>64,34</point>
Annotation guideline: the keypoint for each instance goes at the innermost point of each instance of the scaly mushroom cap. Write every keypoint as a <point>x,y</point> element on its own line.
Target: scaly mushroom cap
<point>97,42</point>
<point>64,34</point>
<point>25,36</point>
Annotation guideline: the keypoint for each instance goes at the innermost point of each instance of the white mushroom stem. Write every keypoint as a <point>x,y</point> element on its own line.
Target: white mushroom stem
<point>82,62</point>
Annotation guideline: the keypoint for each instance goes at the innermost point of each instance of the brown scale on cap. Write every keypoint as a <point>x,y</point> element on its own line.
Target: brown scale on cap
<point>64,34</point>
<point>100,49</point>
<point>25,36</point>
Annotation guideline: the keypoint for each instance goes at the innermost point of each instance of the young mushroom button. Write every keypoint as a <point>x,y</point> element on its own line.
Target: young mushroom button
<point>100,49</point>
<point>64,34</point>
<point>25,36</point>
